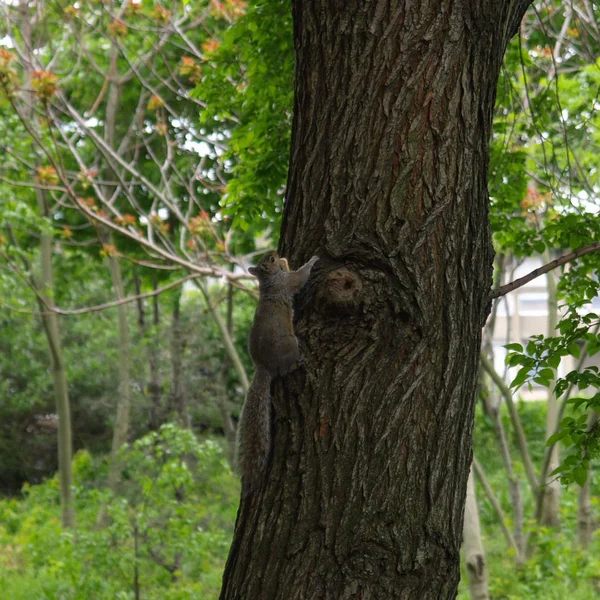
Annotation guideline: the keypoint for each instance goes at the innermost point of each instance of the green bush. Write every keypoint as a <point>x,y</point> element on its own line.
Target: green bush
<point>169,529</point>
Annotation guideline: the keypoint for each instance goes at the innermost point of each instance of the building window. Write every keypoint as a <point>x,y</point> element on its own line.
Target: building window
<point>533,303</point>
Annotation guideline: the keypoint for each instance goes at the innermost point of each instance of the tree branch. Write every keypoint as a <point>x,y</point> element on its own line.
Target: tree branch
<point>517,283</point>
<point>516,422</point>
<point>487,488</point>
<point>113,303</point>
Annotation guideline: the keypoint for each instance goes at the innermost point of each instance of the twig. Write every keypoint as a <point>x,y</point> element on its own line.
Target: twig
<point>517,283</point>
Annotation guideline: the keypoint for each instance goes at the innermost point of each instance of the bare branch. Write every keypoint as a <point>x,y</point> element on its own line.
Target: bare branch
<point>487,488</point>
<point>517,283</point>
<point>112,304</point>
<point>32,185</point>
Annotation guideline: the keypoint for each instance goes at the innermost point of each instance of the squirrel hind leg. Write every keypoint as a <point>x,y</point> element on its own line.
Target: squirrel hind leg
<point>289,358</point>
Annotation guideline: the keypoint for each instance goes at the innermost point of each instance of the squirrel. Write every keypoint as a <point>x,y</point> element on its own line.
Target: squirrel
<point>274,351</point>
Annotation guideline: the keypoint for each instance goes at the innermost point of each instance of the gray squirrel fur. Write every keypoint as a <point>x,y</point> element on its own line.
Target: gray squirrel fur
<point>274,351</point>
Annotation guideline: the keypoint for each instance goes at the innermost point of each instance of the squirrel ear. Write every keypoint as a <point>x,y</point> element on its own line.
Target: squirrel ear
<point>252,270</point>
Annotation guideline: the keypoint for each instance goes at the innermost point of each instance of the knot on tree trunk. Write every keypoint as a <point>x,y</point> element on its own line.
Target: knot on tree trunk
<point>342,290</point>
<point>476,565</point>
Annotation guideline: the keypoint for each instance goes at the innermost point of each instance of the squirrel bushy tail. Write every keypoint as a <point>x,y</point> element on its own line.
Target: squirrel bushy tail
<point>254,430</point>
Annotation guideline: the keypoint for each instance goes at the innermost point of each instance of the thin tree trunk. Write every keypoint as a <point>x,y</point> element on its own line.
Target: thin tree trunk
<point>364,493</point>
<point>226,337</point>
<point>59,377</point>
<point>515,422</point>
<point>154,385</point>
<point>585,517</point>
<point>151,339</point>
<point>121,426</point>
<point>473,546</point>
<point>177,396</point>
<point>561,409</point>
<point>136,563</point>
<point>49,319</point>
<point>550,515</point>
<point>228,424</point>
<point>489,492</point>
<point>514,487</point>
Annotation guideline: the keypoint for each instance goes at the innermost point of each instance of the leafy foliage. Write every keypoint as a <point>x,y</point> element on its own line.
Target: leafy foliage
<point>248,85</point>
<point>559,568</point>
<point>27,420</point>
<point>169,532</point>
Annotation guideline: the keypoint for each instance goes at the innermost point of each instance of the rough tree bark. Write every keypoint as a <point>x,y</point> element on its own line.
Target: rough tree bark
<point>365,490</point>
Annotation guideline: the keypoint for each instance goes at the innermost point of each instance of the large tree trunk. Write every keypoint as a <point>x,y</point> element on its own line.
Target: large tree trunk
<point>365,491</point>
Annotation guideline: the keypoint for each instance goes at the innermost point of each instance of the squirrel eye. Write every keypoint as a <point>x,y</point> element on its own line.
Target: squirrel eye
<point>272,259</point>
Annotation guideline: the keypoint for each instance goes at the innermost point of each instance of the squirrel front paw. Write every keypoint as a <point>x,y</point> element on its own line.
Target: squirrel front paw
<point>313,260</point>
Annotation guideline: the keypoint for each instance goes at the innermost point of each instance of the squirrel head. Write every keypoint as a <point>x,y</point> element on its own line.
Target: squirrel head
<point>268,265</point>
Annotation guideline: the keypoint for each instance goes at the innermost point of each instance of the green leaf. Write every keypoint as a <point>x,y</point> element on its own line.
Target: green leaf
<point>554,360</point>
<point>514,347</point>
<point>580,476</point>
<point>512,360</point>
<point>553,439</point>
<point>521,377</point>
<point>577,402</point>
